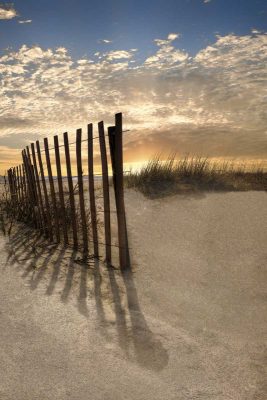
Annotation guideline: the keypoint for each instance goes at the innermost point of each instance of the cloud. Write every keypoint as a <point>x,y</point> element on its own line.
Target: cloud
<point>213,103</point>
<point>167,55</point>
<point>7,11</point>
<point>165,42</point>
<point>118,55</point>
<point>256,31</point>
<point>106,41</point>
<point>27,21</point>
<point>173,36</point>
<point>206,1</point>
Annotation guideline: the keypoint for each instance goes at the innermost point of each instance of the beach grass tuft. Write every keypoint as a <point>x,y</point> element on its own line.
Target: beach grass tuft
<point>165,177</point>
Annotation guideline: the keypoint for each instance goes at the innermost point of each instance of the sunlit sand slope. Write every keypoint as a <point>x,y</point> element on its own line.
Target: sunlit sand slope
<point>189,321</point>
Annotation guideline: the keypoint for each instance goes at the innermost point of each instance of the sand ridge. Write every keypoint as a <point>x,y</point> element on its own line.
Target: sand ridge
<point>188,322</point>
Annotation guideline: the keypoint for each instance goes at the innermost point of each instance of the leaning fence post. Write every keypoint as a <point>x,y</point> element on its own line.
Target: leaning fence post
<point>34,189</point>
<point>47,206</point>
<point>61,191</point>
<point>16,169</point>
<point>92,187</point>
<point>118,160</point>
<point>105,182</point>
<point>10,183</point>
<point>21,191</point>
<point>41,207</point>
<point>52,188</point>
<point>26,192</point>
<point>17,190</point>
<point>29,186</point>
<point>71,191</point>
<point>81,192</point>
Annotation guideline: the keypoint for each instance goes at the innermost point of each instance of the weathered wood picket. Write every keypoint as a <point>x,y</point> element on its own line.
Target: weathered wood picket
<point>39,197</point>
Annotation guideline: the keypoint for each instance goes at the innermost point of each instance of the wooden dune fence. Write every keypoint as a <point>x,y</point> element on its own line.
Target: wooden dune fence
<point>54,202</point>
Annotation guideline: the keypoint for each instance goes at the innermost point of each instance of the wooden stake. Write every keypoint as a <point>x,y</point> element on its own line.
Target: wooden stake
<point>61,191</point>
<point>29,188</point>
<point>23,205</point>
<point>52,189</point>
<point>71,191</point>
<point>105,183</point>
<point>92,188</point>
<point>81,191</point>
<point>34,190</point>
<point>47,206</point>
<point>18,184</point>
<point>118,159</point>
<point>39,192</point>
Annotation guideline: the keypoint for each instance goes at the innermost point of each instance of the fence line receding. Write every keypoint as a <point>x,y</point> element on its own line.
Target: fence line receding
<point>68,208</point>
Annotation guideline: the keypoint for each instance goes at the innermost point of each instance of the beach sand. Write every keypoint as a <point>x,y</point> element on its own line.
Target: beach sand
<point>189,321</point>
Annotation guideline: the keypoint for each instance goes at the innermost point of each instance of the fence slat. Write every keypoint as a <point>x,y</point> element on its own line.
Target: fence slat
<point>71,191</point>
<point>92,188</point>
<point>122,229</point>
<point>11,186</point>
<point>21,190</point>
<point>17,193</point>
<point>81,191</point>
<point>105,183</point>
<point>25,190</point>
<point>18,184</point>
<point>39,192</point>
<point>14,177</point>
<point>52,189</point>
<point>31,175</point>
<point>47,207</point>
<point>34,190</point>
<point>61,192</point>
<point>32,213</point>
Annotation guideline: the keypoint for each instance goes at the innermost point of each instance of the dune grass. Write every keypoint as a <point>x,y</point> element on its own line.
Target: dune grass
<point>161,178</point>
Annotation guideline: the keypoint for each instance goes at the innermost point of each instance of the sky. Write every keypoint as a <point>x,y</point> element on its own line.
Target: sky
<point>190,76</point>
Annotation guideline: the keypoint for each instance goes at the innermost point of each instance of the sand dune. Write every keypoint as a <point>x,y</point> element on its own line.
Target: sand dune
<point>188,322</point>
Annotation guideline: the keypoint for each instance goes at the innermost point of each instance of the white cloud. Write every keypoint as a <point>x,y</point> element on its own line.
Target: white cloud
<point>255,31</point>
<point>118,54</point>
<point>206,1</point>
<point>169,40</point>
<point>27,21</point>
<point>173,36</point>
<point>167,55</point>
<point>7,11</point>
<point>106,41</point>
<point>213,103</point>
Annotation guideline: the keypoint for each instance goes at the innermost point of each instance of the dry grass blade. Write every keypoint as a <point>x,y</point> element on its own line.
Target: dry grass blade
<point>160,178</point>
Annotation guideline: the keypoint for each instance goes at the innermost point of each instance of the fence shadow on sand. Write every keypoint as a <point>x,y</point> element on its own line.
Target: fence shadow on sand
<point>105,294</point>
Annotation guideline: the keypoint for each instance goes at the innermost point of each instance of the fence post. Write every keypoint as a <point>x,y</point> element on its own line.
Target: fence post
<point>71,191</point>
<point>29,187</point>
<point>60,191</point>
<point>81,191</point>
<point>16,169</point>
<point>105,182</point>
<point>17,192</point>
<point>92,188</point>
<point>11,186</point>
<point>40,205</point>
<point>14,178</point>
<point>31,175</point>
<point>52,188</point>
<point>33,179</point>
<point>26,192</point>
<point>21,191</point>
<point>119,190</point>
<point>47,207</point>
